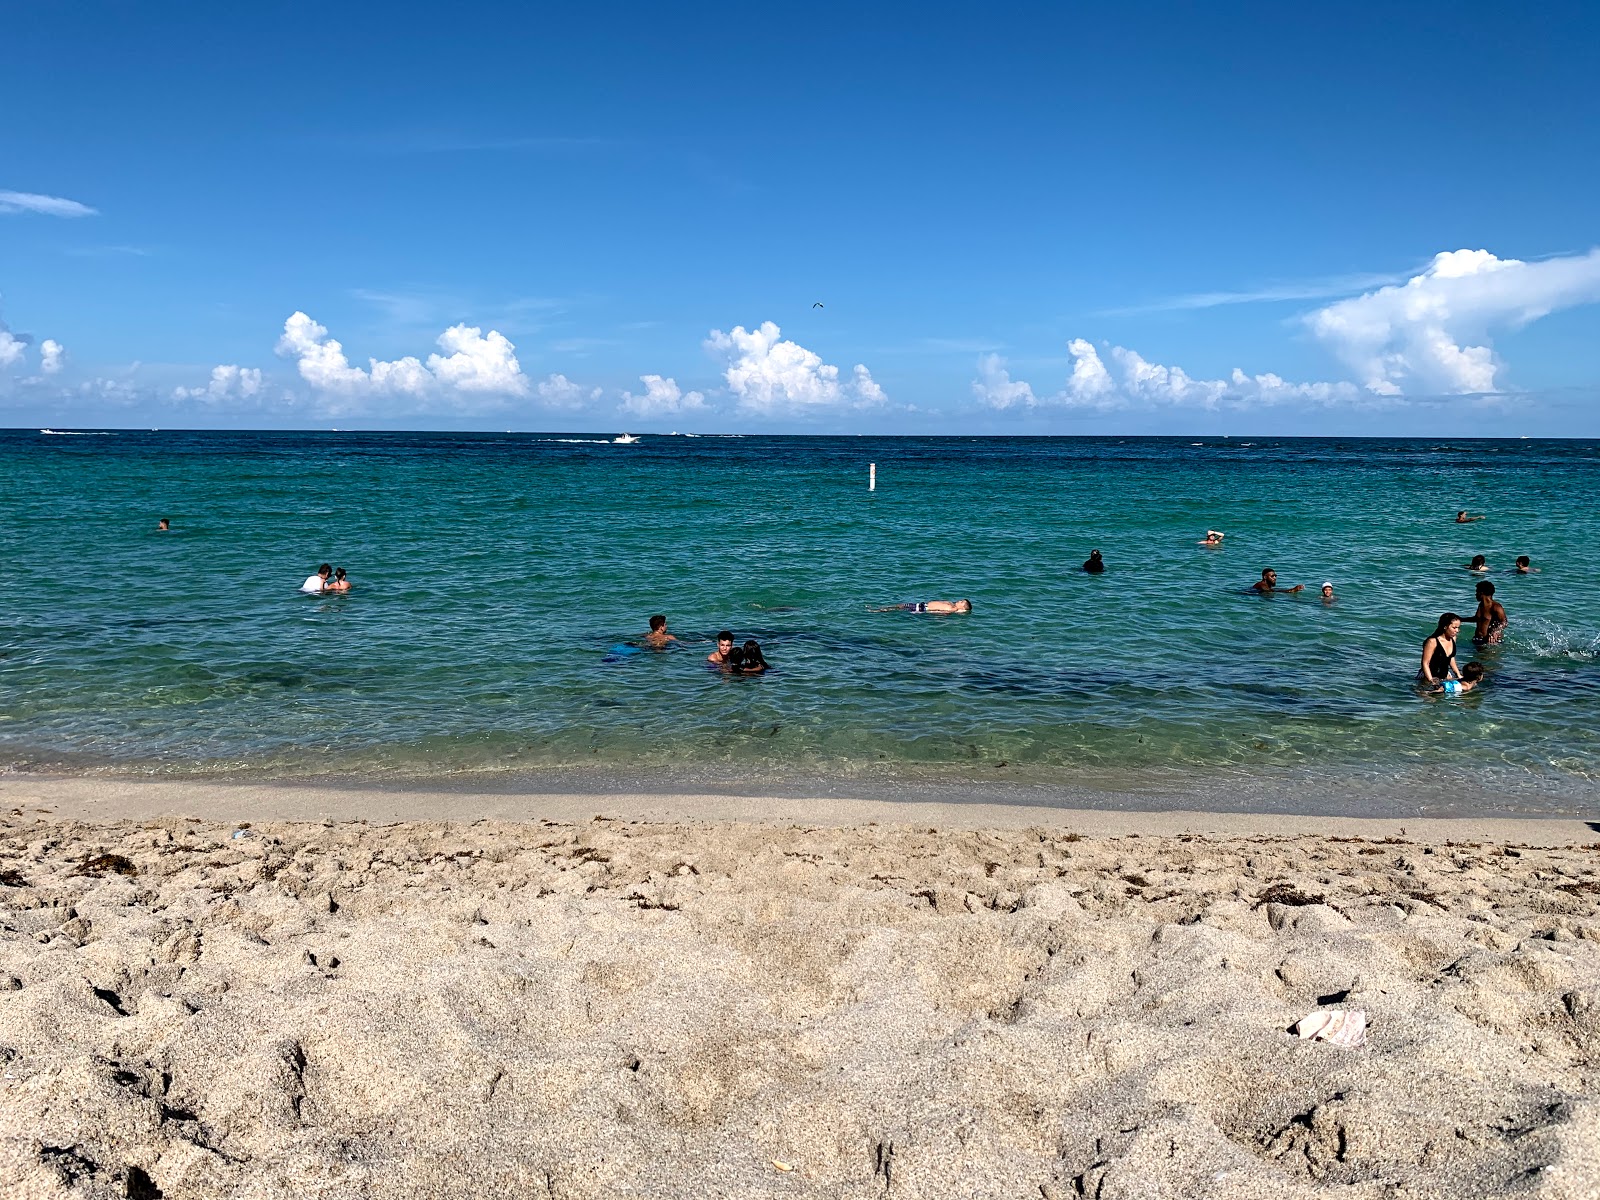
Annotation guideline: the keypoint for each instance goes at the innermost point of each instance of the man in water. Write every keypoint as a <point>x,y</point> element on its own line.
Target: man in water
<point>1525,565</point>
<point>927,606</point>
<point>316,584</point>
<point>1267,585</point>
<point>719,656</point>
<point>1094,564</point>
<point>164,525</point>
<point>1490,618</point>
<point>1465,518</point>
<point>658,637</point>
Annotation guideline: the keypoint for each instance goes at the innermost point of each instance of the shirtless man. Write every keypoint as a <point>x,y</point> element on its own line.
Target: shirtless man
<point>927,606</point>
<point>719,656</point>
<point>1490,618</point>
<point>658,637</point>
<point>1525,565</point>
<point>1267,585</point>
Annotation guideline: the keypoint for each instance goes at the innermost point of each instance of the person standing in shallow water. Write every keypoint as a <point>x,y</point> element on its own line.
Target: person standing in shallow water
<point>1439,651</point>
<point>1094,564</point>
<point>1490,619</point>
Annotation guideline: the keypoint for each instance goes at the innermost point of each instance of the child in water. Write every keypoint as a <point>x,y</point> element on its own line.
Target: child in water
<point>1471,677</point>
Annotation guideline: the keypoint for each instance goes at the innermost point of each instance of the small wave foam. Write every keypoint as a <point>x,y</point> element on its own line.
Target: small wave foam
<point>1546,639</point>
<point>76,432</point>
<point>574,441</point>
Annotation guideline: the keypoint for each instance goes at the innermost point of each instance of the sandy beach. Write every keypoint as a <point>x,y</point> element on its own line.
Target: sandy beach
<point>224,991</point>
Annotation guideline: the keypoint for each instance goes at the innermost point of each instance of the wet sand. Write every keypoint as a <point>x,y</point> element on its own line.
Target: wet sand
<point>667,996</point>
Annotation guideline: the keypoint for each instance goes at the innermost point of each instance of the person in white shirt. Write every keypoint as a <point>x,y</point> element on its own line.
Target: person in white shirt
<point>318,583</point>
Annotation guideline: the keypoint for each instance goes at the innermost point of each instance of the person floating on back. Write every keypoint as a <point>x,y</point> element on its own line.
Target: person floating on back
<point>1267,585</point>
<point>1465,518</point>
<point>1478,563</point>
<point>1490,618</point>
<point>316,584</point>
<point>927,606</point>
<point>658,637</point>
<point>1213,538</point>
<point>1094,564</point>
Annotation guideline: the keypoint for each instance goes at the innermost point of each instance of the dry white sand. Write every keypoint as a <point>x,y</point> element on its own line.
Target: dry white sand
<point>568,1007</point>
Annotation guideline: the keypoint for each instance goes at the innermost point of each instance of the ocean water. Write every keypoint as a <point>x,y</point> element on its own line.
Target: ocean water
<point>494,572</point>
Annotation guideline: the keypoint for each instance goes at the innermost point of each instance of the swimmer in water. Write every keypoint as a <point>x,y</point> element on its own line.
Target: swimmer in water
<point>927,606</point>
<point>1465,518</point>
<point>339,582</point>
<point>1327,594</point>
<point>719,656</point>
<point>658,637</point>
<point>1525,565</point>
<point>1490,619</point>
<point>1267,585</point>
<point>164,525</point>
<point>1439,652</point>
<point>754,662</point>
<point>1213,538</point>
<point>316,584</point>
<point>1471,677</point>
<point>1094,564</point>
<point>1478,563</point>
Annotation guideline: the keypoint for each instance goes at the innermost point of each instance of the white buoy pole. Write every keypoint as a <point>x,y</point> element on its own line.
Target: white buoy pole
<point>872,477</point>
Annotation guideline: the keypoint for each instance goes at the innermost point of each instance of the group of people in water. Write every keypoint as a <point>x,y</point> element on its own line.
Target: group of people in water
<point>736,660</point>
<point>326,580</point>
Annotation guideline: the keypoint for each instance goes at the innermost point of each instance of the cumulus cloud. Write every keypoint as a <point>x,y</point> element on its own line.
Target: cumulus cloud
<point>52,356</point>
<point>558,391</point>
<point>476,365</point>
<point>768,375</point>
<point>661,397</point>
<point>12,347</point>
<point>50,206</point>
<point>1432,333</point>
<point>1138,383</point>
<point>227,383</point>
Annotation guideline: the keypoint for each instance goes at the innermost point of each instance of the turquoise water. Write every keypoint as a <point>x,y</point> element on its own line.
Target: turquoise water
<point>493,573</point>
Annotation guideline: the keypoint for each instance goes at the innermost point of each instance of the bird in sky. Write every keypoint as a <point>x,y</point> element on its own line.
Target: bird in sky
<point>818,304</point>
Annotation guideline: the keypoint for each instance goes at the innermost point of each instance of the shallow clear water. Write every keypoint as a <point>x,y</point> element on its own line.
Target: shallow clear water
<point>493,573</point>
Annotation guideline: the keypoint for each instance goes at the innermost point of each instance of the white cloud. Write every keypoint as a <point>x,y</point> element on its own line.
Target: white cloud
<point>227,383</point>
<point>661,397</point>
<point>50,206</point>
<point>1138,383</point>
<point>769,376</point>
<point>52,356</point>
<point>560,392</point>
<point>478,365</point>
<point>1431,334</point>
<point>12,347</point>
<point>995,387</point>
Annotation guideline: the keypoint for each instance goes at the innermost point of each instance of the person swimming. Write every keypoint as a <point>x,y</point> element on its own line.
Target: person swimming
<point>1094,564</point>
<point>1439,651</point>
<point>1478,563</point>
<point>927,606</point>
<point>753,662</point>
<point>1465,518</point>
<point>339,583</point>
<point>658,637</point>
<point>1213,538</point>
<point>1471,677</point>
<point>1267,585</point>
<point>164,525</point>
<point>1327,594</point>
<point>1525,565</point>
<point>719,656</point>
<point>1490,619</point>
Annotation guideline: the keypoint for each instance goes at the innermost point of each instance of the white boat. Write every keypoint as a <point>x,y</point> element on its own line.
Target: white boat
<point>626,439</point>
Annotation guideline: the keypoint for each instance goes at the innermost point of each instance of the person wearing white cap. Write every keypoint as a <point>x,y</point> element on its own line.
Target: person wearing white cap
<point>1213,538</point>
<point>1327,593</point>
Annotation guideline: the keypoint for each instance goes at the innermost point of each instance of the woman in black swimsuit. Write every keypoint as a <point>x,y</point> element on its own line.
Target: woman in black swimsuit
<point>1439,652</point>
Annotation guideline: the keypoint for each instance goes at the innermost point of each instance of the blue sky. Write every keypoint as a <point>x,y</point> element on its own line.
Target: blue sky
<point>1044,218</point>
